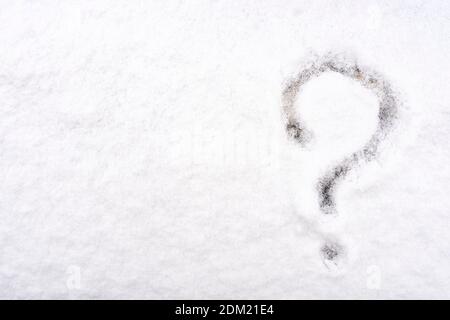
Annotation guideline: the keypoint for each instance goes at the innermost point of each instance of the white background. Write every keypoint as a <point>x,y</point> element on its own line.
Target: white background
<point>143,151</point>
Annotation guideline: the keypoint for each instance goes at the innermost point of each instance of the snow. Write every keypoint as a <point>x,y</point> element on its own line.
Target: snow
<point>144,151</point>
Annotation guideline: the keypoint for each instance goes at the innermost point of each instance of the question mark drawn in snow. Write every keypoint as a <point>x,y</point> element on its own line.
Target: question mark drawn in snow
<point>387,114</point>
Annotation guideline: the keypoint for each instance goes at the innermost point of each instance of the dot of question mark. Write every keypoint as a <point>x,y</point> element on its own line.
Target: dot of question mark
<point>296,130</point>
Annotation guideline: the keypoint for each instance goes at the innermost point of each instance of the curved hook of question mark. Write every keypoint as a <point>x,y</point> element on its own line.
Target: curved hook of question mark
<point>388,109</point>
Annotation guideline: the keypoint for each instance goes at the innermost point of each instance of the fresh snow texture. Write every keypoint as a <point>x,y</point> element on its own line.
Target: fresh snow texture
<point>224,149</point>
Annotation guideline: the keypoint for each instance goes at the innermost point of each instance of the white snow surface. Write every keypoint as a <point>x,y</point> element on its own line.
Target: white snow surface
<point>144,152</point>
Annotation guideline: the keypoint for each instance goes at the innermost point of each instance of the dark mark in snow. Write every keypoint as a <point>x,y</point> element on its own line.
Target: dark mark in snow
<point>387,114</point>
<point>330,251</point>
